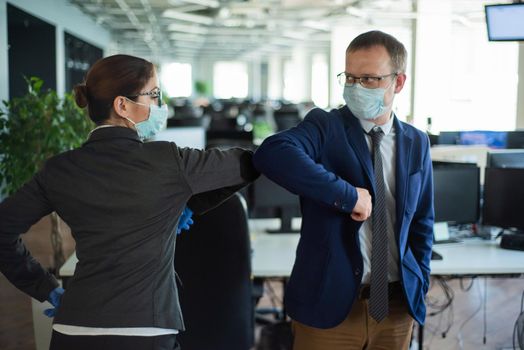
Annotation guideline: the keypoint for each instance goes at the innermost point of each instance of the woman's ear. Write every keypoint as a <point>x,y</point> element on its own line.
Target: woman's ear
<point>120,106</point>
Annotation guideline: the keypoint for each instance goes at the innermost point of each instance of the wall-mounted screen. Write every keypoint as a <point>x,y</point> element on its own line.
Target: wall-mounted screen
<point>505,22</point>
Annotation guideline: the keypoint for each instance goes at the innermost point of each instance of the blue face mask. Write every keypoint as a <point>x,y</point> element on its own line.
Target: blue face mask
<point>152,125</point>
<point>365,103</point>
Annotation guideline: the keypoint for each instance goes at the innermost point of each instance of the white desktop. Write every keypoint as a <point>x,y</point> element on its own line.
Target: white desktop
<point>185,136</point>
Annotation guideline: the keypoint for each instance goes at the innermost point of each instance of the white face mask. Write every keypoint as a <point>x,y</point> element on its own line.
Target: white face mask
<point>365,103</point>
<point>151,126</point>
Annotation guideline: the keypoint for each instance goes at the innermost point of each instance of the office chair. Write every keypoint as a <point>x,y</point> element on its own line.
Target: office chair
<point>213,260</point>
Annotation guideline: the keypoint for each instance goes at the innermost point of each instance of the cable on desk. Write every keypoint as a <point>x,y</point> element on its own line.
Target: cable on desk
<point>485,315</point>
<point>448,293</point>
<point>447,305</point>
<point>466,289</point>
<point>521,316</point>
<point>459,334</point>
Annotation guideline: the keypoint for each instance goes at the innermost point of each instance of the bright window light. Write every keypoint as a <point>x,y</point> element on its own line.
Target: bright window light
<point>176,79</point>
<point>230,79</point>
<point>290,72</point>
<point>320,81</point>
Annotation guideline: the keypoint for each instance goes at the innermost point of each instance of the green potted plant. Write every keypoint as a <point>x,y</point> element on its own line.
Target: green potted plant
<point>33,128</point>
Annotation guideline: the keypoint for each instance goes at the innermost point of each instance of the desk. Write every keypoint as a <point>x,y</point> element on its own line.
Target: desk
<point>273,254</point>
<point>476,257</point>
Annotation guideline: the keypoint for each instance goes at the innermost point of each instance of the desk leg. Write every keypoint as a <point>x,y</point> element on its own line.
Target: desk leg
<point>420,337</point>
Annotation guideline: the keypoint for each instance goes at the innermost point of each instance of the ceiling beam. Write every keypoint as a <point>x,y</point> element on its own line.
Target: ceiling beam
<point>207,3</point>
<point>188,17</point>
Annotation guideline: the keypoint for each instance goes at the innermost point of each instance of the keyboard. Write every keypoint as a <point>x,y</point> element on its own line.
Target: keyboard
<point>449,240</point>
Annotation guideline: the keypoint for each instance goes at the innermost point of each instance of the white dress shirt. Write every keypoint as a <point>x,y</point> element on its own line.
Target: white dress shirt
<point>387,150</point>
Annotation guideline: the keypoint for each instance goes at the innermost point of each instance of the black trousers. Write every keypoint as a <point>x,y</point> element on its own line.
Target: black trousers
<point>61,341</point>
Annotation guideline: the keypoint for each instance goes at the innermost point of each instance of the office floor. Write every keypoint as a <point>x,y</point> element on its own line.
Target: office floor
<point>502,307</point>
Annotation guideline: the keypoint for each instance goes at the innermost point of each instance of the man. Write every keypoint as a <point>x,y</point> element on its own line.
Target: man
<point>365,182</point>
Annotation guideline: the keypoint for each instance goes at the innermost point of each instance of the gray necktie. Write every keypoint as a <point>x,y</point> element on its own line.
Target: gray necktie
<point>378,298</point>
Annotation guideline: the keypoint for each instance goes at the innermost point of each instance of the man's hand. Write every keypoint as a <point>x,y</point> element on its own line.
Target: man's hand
<point>362,209</point>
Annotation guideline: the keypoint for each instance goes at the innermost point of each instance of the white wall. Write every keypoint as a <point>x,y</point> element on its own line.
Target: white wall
<point>65,17</point>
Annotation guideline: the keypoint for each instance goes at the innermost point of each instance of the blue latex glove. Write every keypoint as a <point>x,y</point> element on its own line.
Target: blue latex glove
<point>54,298</point>
<point>185,220</point>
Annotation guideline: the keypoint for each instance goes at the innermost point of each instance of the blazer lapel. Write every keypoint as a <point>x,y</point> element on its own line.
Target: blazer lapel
<point>356,139</point>
<point>403,159</point>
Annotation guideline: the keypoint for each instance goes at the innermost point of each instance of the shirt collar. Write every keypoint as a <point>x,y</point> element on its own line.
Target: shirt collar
<point>111,132</point>
<point>386,128</point>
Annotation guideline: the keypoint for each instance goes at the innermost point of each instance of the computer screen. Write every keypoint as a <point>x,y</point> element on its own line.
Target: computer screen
<point>505,159</point>
<point>505,22</point>
<point>493,139</point>
<point>515,139</point>
<point>456,192</point>
<point>503,198</point>
<point>273,201</point>
<point>448,138</point>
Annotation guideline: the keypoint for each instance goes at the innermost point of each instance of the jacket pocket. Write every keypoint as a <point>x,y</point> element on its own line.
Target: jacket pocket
<point>308,275</point>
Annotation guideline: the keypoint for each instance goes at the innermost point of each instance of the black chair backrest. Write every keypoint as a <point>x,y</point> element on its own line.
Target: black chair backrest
<point>213,260</point>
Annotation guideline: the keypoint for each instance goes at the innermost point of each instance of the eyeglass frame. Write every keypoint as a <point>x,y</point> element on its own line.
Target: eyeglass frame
<point>155,93</point>
<point>359,79</point>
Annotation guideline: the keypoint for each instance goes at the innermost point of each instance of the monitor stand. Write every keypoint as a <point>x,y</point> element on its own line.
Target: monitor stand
<point>435,255</point>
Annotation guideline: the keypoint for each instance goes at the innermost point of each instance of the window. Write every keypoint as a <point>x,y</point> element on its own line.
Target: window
<point>320,81</point>
<point>230,79</point>
<point>176,79</point>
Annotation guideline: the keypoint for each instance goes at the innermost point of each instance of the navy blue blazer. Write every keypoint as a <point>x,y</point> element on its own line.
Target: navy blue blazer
<point>322,160</point>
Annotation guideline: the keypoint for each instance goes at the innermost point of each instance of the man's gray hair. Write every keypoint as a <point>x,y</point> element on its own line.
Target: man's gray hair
<point>395,48</point>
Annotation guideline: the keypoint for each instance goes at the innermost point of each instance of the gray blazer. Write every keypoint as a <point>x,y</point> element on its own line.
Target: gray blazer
<point>122,199</point>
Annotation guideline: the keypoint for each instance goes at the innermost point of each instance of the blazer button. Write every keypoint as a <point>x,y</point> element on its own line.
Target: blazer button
<point>335,204</point>
<point>357,271</point>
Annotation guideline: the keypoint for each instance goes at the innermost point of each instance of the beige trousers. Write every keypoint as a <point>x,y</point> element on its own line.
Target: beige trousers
<point>359,331</point>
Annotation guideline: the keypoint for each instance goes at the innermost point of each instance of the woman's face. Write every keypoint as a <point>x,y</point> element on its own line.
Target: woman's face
<point>139,111</point>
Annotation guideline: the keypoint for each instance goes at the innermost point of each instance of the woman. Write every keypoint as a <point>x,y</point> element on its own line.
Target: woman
<point>122,199</point>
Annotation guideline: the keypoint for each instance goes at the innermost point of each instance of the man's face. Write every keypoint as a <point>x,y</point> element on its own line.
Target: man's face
<point>375,62</point>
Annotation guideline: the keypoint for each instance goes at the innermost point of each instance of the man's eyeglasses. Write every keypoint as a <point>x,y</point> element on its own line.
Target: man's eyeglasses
<point>155,93</point>
<point>346,79</point>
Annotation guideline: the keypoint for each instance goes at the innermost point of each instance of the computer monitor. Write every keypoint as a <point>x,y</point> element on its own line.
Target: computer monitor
<point>286,116</point>
<point>492,139</point>
<point>515,139</point>
<point>504,22</point>
<point>273,201</point>
<point>448,138</point>
<point>503,198</point>
<point>456,192</point>
<point>229,138</point>
<point>505,159</point>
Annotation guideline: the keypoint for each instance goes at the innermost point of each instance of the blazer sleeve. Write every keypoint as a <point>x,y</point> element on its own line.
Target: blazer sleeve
<point>290,158</point>
<point>17,214</point>
<point>214,175</point>
<point>421,228</point>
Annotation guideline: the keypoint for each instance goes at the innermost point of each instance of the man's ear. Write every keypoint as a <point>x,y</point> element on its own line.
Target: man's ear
<point>120,106</point>
<point>400,81</point>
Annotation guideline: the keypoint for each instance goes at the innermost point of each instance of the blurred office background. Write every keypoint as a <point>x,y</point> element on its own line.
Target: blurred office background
<point>233,72</point>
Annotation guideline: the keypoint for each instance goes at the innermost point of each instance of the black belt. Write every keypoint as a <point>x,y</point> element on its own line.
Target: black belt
<point>394,290</point>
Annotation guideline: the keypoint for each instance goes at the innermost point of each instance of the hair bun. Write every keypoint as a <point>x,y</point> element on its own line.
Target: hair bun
<point>80,92</point>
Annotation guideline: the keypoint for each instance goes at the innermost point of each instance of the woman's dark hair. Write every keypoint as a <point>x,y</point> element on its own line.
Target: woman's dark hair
<point>118,75</point>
